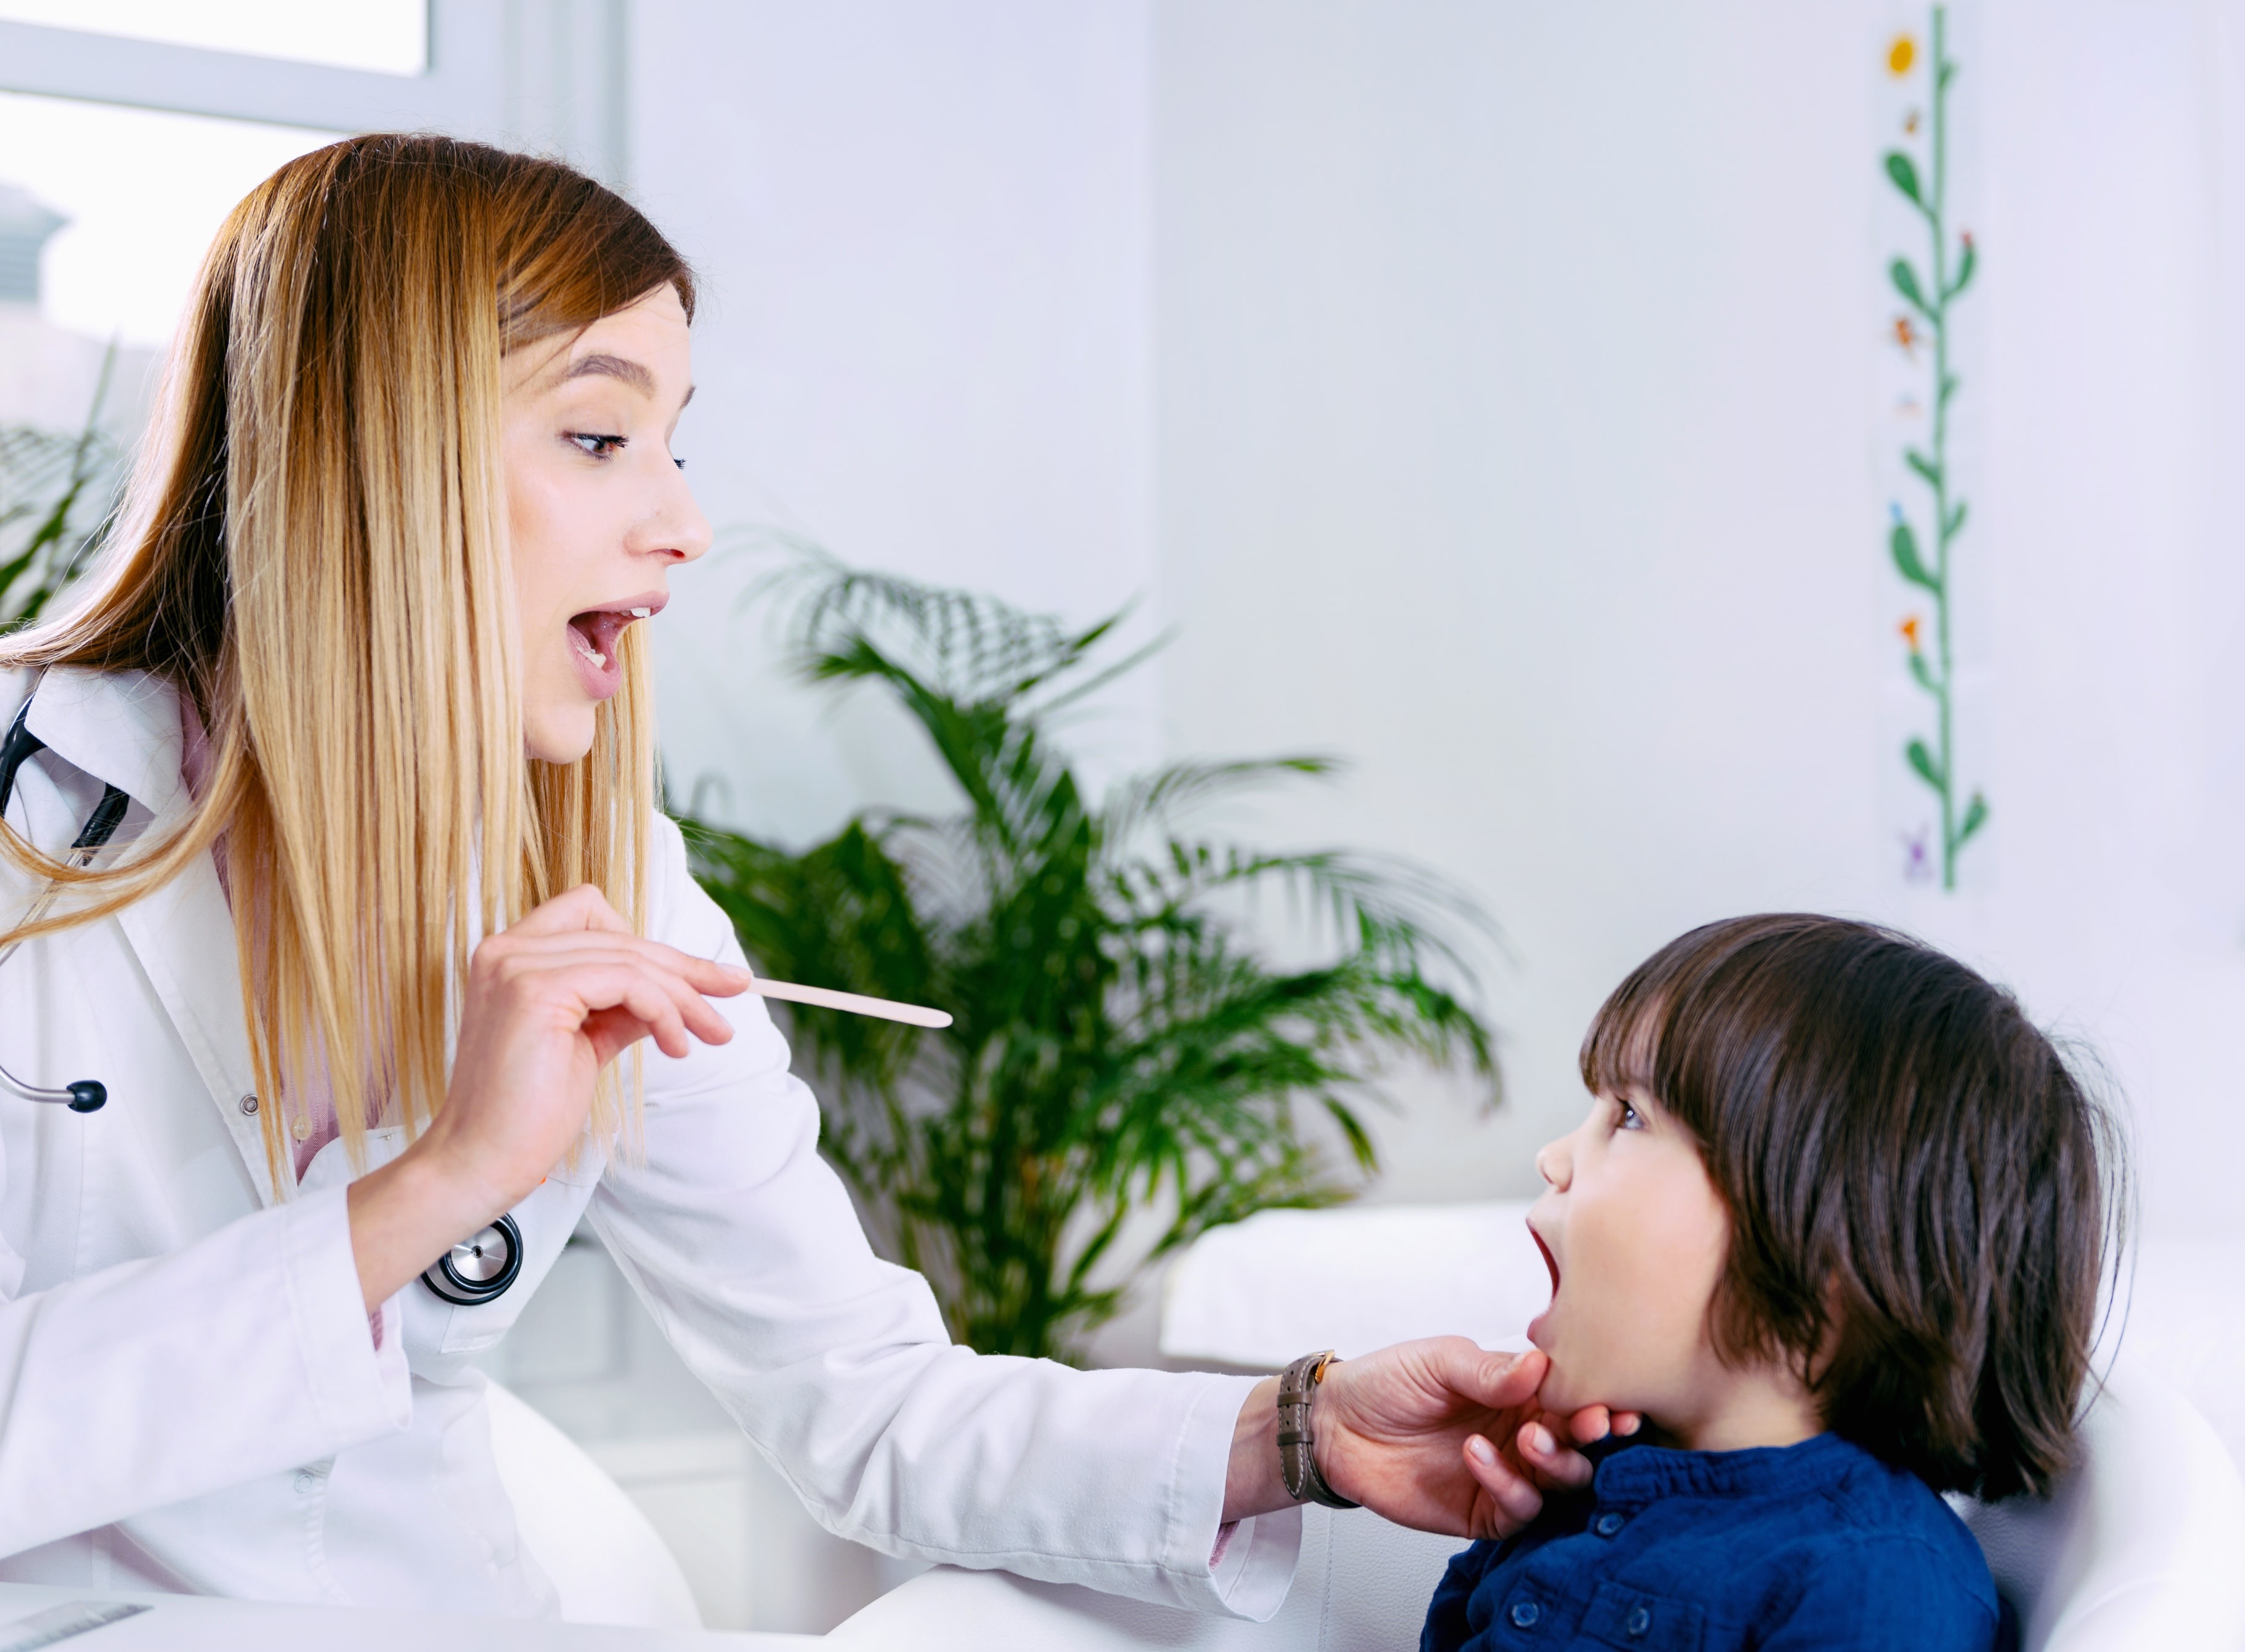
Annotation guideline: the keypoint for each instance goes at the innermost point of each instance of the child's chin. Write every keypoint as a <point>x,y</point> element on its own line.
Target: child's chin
<point>1560,1392</point>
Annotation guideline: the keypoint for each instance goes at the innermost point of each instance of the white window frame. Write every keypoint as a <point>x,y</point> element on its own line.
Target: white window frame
<point>547,75</point>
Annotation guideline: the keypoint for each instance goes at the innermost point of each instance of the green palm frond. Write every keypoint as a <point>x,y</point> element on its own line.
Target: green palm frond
<point>1123,1042</point>
<point>55,496</point>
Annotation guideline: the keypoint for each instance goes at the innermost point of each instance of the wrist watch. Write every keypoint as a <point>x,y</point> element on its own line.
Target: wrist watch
<point>1298,1457</point>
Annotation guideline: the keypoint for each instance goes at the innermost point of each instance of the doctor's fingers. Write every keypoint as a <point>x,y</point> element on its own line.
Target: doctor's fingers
<point>582,908</point>
<point>579,981</point>
<point>1551,1462</point>
<point>1509,1499</point>
<point>702,975</point>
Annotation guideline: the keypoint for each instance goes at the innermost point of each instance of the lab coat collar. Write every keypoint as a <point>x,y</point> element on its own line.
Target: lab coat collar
<point>120,727</point>
<point>123,728</point>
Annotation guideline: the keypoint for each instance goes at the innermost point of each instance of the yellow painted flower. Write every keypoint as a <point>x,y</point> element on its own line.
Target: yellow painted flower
<point>1909,627</point>
<point>1901,55</point>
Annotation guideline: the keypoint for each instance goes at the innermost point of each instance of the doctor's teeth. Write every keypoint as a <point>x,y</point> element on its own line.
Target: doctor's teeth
<point>641,613</point>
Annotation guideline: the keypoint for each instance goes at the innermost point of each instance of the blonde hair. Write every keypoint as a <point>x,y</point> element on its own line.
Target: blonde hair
<point>314,549</point>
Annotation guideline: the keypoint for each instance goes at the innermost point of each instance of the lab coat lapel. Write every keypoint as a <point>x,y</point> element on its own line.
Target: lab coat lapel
<point>123,727</point>
<point>183,935</point>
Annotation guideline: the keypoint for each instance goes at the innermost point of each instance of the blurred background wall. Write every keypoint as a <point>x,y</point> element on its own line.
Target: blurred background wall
<point>1485,392</point>
<point>1488,394</point>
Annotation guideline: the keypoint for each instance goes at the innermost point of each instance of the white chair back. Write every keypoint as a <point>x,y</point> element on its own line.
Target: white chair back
<point>601,1552</point>
<point>2143,1546</point>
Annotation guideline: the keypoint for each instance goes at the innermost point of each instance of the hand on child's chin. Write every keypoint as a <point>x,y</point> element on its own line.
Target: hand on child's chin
<point>1423,1434</point>
<point>1544,1451</point>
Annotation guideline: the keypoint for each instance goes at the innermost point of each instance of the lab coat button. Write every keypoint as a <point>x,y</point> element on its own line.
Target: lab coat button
<point>306,1480</point>
<point>247,1104</point>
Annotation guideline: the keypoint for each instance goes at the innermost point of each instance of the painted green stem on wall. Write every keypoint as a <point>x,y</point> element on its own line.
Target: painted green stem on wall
<point>1931,302</point>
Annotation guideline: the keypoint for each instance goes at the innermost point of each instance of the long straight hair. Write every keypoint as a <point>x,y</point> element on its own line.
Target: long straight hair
<point>314,549</point>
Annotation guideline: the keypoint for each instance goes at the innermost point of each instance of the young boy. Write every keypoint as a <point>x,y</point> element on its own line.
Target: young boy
<point>1834,1227</point>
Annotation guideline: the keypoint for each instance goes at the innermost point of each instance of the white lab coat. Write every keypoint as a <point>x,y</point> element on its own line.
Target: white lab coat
<point>190,1397</point>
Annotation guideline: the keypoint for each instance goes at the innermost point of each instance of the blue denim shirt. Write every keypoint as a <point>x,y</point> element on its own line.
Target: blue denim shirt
<point>1816,1545</point>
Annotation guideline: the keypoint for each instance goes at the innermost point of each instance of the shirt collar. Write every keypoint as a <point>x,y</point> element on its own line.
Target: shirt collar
<point>1643,1473</point>
<point>120,727</point>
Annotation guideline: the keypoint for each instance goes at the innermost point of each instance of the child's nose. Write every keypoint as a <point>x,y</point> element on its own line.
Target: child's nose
<point>1555,1164</point>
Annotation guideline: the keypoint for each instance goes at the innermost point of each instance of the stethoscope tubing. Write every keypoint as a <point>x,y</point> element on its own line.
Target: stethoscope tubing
<point>82,1095</point>
<point>453,1277</point>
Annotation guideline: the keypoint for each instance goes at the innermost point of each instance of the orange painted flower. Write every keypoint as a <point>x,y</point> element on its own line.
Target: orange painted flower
<point>1910,630</point>
<point>1901,55</point>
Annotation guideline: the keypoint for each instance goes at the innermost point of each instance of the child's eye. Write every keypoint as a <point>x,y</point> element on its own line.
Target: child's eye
<point>595,445</point>
<point>1630,1118</point>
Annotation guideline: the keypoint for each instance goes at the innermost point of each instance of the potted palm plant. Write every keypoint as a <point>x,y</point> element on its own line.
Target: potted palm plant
<point>55,492</point>
<point>1123,1046</point>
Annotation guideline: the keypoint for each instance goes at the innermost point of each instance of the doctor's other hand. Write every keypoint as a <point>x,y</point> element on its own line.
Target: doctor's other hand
<point>1443,1435</point>
<point>550,1000</point>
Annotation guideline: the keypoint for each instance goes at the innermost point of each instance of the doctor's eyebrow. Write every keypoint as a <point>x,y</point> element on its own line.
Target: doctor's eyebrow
<point>615,367</point>
<point>618,367</point>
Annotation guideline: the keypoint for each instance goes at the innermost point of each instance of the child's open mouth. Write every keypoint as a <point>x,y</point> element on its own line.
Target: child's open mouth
<point>1550,1261</point>
<point>1536,1325</point>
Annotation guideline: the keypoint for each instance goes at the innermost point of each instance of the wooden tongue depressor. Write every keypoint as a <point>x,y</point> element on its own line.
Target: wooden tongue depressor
<point>855,1003</point>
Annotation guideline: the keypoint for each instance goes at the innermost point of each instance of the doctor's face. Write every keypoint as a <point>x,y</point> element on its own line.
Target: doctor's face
<point>597,514</point>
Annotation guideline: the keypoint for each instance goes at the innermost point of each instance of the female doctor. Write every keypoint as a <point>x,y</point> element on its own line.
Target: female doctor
<point>388,895</point>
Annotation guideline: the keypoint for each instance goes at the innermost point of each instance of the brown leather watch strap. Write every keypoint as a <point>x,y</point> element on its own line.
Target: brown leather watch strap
<point>1298,1457</point>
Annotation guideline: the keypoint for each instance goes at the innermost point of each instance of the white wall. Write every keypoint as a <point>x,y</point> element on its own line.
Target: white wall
<point>924,234</point>
<point>1505,377</point>
<point>1514,421</point>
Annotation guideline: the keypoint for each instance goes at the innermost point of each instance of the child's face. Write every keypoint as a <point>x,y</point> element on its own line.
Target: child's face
<point>1636,1237</point>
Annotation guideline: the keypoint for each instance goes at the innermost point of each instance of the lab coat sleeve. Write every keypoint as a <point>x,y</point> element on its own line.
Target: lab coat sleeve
<point>743,1242</point>
<point>154,1381</point>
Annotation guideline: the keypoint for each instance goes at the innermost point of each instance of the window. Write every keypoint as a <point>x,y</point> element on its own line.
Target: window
<point>385,37</point>
<point>129,128</point>
<point>133,197</point>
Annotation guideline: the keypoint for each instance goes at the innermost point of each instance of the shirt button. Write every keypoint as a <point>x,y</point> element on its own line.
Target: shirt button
<point>1609,1523</point>
<point>1525,1612</point>
<point>248,1105</point>
<point>1640,1621</point>
<point>306,1480</point>
<point>301,1127</point>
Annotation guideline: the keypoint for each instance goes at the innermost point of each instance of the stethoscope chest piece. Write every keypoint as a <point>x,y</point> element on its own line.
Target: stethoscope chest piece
<point>480,1267</point>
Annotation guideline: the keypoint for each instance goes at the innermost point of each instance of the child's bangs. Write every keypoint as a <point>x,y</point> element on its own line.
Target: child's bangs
<point>1623,1046</point>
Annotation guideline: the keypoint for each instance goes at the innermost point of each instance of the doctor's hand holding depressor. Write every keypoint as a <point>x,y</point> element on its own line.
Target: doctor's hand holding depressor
<point>550,1000</point>
<point>1440,1434</point>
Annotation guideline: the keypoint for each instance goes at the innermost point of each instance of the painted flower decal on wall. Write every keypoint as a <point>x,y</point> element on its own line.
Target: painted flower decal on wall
<point>1925,560</point>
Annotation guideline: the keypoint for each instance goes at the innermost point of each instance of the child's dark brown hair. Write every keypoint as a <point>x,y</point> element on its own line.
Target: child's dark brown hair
<point>1917,1183</point>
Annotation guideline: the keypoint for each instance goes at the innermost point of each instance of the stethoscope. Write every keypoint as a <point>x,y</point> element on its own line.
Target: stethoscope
<point>478,1270</point>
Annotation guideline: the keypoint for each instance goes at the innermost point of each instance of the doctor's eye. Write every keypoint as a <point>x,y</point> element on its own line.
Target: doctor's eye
<point>597,446</point>
<point>680,464</point>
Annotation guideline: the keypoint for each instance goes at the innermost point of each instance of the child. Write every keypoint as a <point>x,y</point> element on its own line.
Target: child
<point>1834,1225</point>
